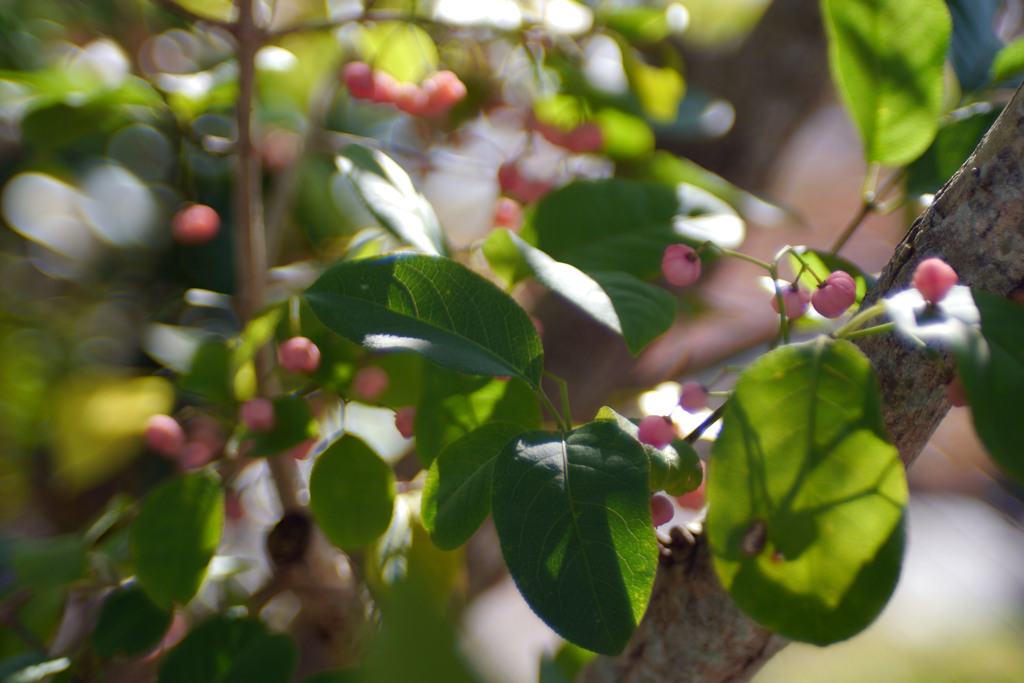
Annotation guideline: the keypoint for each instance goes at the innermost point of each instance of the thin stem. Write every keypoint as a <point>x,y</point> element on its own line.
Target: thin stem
<point>554,411</point>
<point>868,331</point>
<point>743,257</point>
<point>858,320</point>
<point>714,417</point>
<point>250,240</point>
<point>563,390</point>
<point>869,204</point>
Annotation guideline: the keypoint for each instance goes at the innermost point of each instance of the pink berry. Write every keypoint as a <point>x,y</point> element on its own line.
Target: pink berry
<point>934,278</point>
<point>443,89</point>
<point>164,435</point>
<point>411,98</point>
<point>385,87</point>
<point>514,183</point>
<point>196,454</point>
<point>584,138</point>
<point>195,224</point>
<point>358,78</point>
<point>955,392</point>
<point>694,500</point>
<point>370,382</point>
<point>656,430</point>
<point>298,354</point>
<point>551,133</point>
<point>508,213</point>
<point>794,301</point>
<point>405,419</point>
<point>537,325</point>
<point>258,415</point>
<point>836,294</point>
<point>301,450</point>
<point>680,265</point>
<point>693,396</point>
<point>662,510</point>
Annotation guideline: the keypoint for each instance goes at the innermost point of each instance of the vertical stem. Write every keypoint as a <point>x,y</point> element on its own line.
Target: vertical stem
<point>250,238</point>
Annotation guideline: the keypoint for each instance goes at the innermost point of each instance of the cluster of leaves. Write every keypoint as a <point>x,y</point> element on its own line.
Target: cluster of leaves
<point>806,495</point>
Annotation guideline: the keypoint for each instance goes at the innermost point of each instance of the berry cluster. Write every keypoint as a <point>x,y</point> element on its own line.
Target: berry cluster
<point>435,96</point>
<point>584,138</point>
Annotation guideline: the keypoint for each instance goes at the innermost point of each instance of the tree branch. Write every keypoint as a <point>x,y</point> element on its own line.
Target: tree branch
<point>692,630</point>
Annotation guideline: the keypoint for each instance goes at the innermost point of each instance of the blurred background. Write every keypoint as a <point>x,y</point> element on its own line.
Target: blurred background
<point>114,114</point>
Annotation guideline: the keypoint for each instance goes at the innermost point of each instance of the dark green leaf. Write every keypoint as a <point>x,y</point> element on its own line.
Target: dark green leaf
<point>175,536</point>
<point>625,225</point>
<point>351,493</point>
<point>129,623</point>
<point>634,309</point>
<point>991,366</point>
<point>431,305</point>
<point>390,196</point>
<point>974,42</point>
<point>806,495</point>
<point>210,375</point>
<point>953,144</point>
<point>887,57</point>
<point>293,424</point>
<point>227,648</point>
<point>454,405</point>
<point>457,492</point>
<point>572,512</point>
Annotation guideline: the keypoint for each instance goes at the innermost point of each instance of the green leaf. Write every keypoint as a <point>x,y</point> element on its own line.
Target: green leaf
<point>388,193</point>
<point>572,513</point>
<point>175,536</point>
<point>952,146</point>
<point>659,90</point>
<point>228,648</point>
<point>633,309</point>
<point>624,136</point>
<point>806,495</point>
<point>351,493</point>
<point>129,623</point>
<point>457,492</point>
<point>400,48</point>
<point>887,58</point>
<point>625,225</point>
<point>454,405</point>
<point>991,366</point>
<point>433,306</point>
<point>674,469</point>
<point>636,24</point>
<point>210,374</point>
<point>293,424</point>
<point>1008,62</point>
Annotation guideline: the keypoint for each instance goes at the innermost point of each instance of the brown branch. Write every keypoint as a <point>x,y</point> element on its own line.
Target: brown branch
<point>692,630</point>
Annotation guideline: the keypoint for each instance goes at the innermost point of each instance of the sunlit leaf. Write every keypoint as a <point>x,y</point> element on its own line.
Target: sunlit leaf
<point>388,193</point>
<point>433,306</point>
<point>887,58</point>
<point>573,517</point>
<point>400,48</point>
<point>806,495</point>
<point>175,536</point>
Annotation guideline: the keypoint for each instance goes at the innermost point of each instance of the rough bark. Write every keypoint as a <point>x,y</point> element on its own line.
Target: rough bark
<point>692,632</point>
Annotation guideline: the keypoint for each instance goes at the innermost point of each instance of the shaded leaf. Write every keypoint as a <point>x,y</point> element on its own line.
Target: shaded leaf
<point>573,517</point>
<point>991,365</point>
<point>293,424</point>
<point>351,493</point>
<point>129,623</point>
<point>457,492</point>
<point>229,648</point>
<point>633,309</point>
<point>433,306</point>
<point>806,495</point>
<point>175,536</point>
<point>887,58</point>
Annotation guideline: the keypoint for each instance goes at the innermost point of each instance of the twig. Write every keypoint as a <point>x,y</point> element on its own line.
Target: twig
<point>869,205</point>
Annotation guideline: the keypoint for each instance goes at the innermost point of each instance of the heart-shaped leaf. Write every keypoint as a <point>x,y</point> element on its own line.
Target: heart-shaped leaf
<point>457,492</point>
<point>991,365</point>
<point>887,58</point>
<point>572,512</point>
<point>388,193</point>
<point>175,536</point>
<point>351,493</point>
<point>433,306</point>
<point>806,495</point>
<point>626,305</point>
